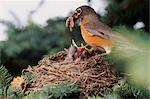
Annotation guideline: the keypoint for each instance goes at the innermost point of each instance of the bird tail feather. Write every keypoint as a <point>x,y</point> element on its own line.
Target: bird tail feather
<point>126,44</point>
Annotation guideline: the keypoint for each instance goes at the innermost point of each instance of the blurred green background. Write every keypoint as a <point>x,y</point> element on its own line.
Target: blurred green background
<point>29,44</point>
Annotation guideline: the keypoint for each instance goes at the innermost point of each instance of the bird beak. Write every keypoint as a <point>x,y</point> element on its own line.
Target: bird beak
<point>73,19</point>
<point>77,18</point>
<point>75,15</point>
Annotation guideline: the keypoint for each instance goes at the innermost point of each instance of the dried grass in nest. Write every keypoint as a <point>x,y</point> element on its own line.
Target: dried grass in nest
<point>93,75</point>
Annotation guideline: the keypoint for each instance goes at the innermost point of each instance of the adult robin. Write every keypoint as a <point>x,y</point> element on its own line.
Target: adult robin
<point>94,32</point>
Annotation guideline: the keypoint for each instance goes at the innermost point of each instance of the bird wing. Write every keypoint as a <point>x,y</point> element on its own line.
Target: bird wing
<point>99,29</point>
<point>108,34</point>
<point>98,33</point>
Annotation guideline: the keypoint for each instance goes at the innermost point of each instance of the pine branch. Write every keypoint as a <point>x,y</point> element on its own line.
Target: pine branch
<point>5,79</point>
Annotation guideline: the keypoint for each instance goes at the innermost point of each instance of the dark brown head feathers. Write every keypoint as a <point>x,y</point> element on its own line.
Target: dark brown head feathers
<point>85,10</point>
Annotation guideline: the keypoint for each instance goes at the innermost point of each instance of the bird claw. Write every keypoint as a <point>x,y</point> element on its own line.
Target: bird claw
<point>90,50</point>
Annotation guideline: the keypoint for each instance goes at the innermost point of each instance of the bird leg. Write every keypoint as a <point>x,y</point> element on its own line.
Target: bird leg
<point>90,51</point>
<point>81,49</point>
<point>82,52</point>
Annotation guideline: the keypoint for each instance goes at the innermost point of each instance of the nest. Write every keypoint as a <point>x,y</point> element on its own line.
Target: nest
<point>92,74</point>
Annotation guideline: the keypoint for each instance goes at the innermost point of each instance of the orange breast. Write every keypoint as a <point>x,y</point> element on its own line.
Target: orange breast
<point>93,40</point>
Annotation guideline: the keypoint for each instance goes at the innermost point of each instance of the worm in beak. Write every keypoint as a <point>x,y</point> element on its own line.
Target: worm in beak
<point>74,18</point>
<point>70,22</point>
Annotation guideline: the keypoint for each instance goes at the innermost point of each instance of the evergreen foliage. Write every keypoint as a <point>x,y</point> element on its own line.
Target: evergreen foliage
<point>27,45</point>
<point>127,12</point>
<point>128,91</point>
<point>5,79</point>
<point>54,92</point>
<point>131,91</point>
<point>14,92</point>
<point>28,76</point>
<point>133,60</point>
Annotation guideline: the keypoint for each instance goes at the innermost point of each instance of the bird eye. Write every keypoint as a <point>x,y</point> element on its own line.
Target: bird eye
<point>79,10</point>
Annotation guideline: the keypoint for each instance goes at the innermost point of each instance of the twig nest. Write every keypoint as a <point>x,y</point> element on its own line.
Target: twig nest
<point>93,74</point>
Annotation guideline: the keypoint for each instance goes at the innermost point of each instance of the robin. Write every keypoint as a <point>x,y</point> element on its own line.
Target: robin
<point>94,32</point>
